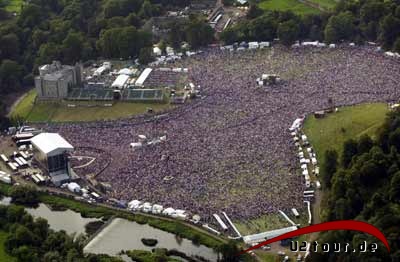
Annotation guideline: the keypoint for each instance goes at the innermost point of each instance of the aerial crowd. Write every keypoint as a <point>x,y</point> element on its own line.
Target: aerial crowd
<point>230,149</point>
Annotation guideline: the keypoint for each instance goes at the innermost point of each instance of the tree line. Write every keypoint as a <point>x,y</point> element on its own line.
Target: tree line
<point>351,20</point>
<point>364,184</point>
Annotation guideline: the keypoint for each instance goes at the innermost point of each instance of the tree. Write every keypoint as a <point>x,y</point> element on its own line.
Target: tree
<point>9,46</point>
<point>340,27</point>
<point>47,53</point>
<point>229,251</point>
<point>389,30</point>
<point>145,55</point>
<point>396,46</point>
<point>147,9</point>
<point>349,151</point>
<point>329,167</point>
<point>25,254</point>
<point>229,36</point>
<point>254,11</point>
<point>263,28</point>
<point>198,33</point>
<point>31,15</point>
<point>288,32</point>
<point>24,195</point>
<point>112,8</point>
<point>175,34</point>
<point>394,190</point>
<point>72,47</point>
<point>133,20</point>
<point>365,143</point>
<point>11,74</point>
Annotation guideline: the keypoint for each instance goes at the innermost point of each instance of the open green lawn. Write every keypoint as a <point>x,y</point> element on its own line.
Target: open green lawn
<point>24,106</point>
<point>285,5</point>
<point>60,112</point>
<point>350,122</point>
<point>3,255</point>
<point>13,5</point>
<point>324,4</point>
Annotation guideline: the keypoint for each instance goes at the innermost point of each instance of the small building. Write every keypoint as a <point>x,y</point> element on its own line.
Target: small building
<point>51,152</point>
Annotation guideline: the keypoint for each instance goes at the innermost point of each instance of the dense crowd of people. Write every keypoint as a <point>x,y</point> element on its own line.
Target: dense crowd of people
<point>231,149</point>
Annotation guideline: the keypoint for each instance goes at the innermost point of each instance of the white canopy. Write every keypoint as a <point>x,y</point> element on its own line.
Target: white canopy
<point>120,81</point>
<point>143,76</point>
<point>125,71</point>
<point>51,144</point>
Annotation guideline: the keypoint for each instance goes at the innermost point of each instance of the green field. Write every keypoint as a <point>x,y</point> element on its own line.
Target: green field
<point>269,222</point>
<point>285,5</point>
<point>84,111</point>
<point>13,5</point>
<point>324,4</point>
<point>350,122</point>
<point>3,255</point>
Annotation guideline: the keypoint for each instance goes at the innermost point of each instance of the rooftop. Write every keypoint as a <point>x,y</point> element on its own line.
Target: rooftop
<point>51,142</point>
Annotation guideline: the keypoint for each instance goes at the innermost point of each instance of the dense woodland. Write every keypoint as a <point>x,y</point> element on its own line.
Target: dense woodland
<point>364,184</point>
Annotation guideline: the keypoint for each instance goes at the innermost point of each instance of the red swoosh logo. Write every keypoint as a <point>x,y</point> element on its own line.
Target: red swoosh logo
<point>333,225</point>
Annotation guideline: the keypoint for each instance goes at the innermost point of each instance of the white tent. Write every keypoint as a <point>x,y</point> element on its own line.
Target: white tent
<point>134,204</point>
<point>157,51</point>
<point>253,45</point>
<point>136,145</point>
<point>74,187</point>
<point>143,76</point>
<point>120,81</point>
<point>157,209</point>
<point>125,71</point>
<point>51,144</point>
<point>169,211</point>
<point>146,207</point>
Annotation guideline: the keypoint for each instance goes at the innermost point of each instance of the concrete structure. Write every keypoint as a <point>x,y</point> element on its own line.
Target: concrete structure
<point>54,80</point>
<point>51,151</point>
<point>260,237</point>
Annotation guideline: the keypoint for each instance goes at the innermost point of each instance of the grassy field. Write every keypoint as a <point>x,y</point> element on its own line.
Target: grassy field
<point>84,111</point>
<point>350,122</point>
<point>285,5</point>
<point>3,255</point>
<point>269,222</point>
<point>324,4</point>
<point>13,5</point>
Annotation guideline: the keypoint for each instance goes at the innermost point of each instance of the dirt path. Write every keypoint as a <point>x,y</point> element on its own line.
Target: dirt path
<point>11,108</point>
